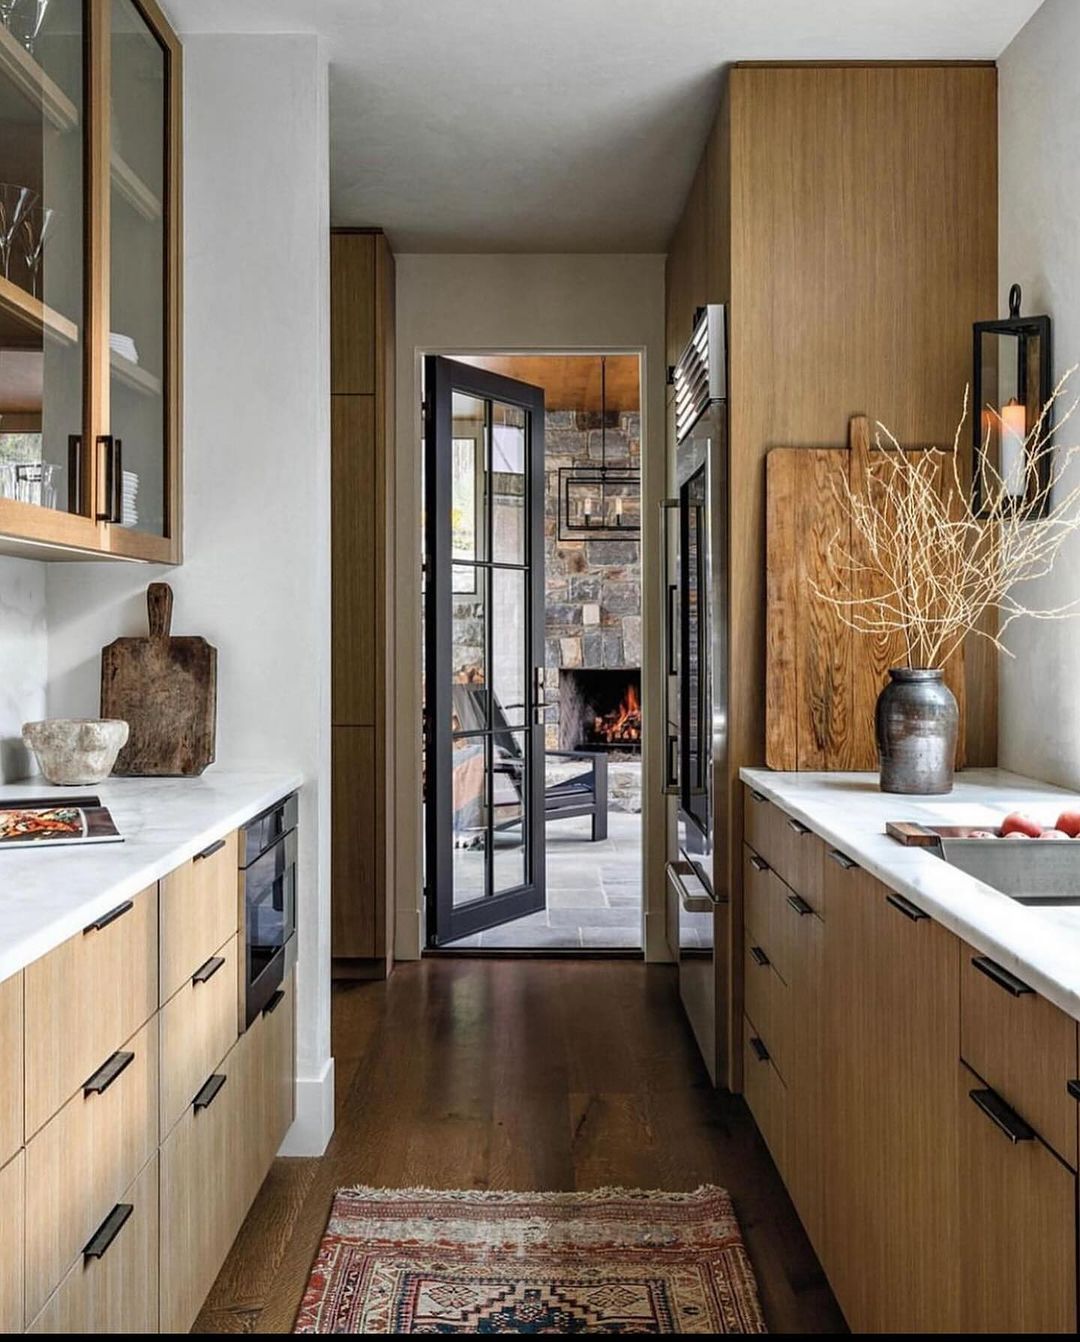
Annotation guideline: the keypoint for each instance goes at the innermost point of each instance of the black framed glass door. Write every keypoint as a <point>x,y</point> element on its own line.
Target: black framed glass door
<point>484,619</point>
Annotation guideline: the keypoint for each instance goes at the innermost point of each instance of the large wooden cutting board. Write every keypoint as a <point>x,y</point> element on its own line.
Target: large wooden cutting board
<point>822,678</point>
<point>166,690</point>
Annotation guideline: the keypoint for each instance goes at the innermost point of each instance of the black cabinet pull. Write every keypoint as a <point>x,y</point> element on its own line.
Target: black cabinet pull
<point>759,1048</point>
<point>760,958</point>
<point>103,1236</point>
<point>1004,1118</point>
<point>274,1002</point>
<point>210,1091</point>
<point>799,905</point>
<point>757,796</point>
<point>114,479</point>
<point>797,826</point>
<point>994,972</point>
<point>209,852</point>
<point>110,917</point>
<point>207,971</point>
<point>1073,1087</point>
<point>107,1073</point>
<point>842,859</point>
<point>906,908</point>
<point>758,863</point>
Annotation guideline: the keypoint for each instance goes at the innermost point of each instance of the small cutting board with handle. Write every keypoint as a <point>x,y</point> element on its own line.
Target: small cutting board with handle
<point>165,689</point>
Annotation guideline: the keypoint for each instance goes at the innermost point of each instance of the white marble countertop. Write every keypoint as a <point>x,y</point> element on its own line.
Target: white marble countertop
<point>50,894</point>
<point>1040,945</point>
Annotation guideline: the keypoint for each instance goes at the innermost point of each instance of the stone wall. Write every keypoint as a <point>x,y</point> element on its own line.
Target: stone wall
<point>593,586</point>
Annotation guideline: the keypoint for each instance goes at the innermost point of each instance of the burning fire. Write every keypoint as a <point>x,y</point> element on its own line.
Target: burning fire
<point>623,723</point>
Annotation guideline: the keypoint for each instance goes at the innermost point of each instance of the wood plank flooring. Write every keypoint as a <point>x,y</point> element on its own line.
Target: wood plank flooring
<point>523,1074</point>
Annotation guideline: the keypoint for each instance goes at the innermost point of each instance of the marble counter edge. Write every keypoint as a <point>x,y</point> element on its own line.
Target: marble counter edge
<point>25,948</point>
<point>1026,940</point>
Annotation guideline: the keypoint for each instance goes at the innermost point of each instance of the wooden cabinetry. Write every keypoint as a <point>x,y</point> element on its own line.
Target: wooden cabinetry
<point>199,912</point>
<point>362,420</point>
<point>940,1194</point>
<point>90,380</point>
<point>11,1067</point>
<point>13,1201</point>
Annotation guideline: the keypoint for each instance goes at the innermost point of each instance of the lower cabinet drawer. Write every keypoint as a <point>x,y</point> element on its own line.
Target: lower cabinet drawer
<point>198,1026</point>
<point>113,1288</point>
<point>204,1177</point>
<point>766,1000</point>
<point>273,1071</point>
<point>81,1161</point>
<point>765,1093</point>
<point>12,1223</point>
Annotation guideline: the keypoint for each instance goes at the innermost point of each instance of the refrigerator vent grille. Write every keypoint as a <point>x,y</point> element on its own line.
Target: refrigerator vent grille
<point>699,374</point>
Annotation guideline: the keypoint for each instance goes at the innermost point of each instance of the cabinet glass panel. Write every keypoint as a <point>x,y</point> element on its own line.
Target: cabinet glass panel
<point>42,135</point>
<point>138,309</point>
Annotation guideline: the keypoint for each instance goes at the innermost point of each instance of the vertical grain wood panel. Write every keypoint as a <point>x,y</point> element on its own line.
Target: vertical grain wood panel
<point>355,644</point>
<point>12,1243</point>
<point>353,924</point>
<point>352,313</point>
<point>11,1066</point>
<point>199,910</point>
<point>385,402</point>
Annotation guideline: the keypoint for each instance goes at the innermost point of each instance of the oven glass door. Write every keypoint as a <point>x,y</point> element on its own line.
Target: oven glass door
<point>270,898</point>
<point>695,712</point>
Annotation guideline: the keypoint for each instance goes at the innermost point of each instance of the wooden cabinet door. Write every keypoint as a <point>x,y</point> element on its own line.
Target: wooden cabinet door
<point>1017,1221</point>
<point>889,1065</point>
<point>11,1066</point>
<point>12,1227</point>
<point>200,904</point>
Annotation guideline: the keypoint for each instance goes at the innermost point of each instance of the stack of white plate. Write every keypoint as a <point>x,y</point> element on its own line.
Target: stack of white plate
<point>129,511</point>
<point>124,346</point>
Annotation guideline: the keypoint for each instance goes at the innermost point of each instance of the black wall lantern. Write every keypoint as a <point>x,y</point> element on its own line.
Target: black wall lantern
<point>1013,373</point>
<point>600,503</point>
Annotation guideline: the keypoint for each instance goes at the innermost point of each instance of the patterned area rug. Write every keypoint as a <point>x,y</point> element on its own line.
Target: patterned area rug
<point>612,1261</point>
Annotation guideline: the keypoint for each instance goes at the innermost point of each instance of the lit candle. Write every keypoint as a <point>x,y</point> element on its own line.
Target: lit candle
<point>1013,454</point>
<point>587,507</point>
<point>618,505</point>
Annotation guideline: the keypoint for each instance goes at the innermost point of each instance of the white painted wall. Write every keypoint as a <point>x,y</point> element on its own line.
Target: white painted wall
<point>514,304</point>
<point>1039,111</point>
<point>23,660</point>
<point>257,459</point>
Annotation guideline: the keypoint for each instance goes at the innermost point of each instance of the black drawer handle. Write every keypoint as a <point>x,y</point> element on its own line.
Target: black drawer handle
<point>210,1091</point>
<point>906,908</point>
<point>207,971</point>
<point>1004,1118</point>
<point>800,905</point>
<point>103,1236</point>
<point>758,863</point>
<point>274,1002</point>
<point>1073,1087</point>
<point>797,827</point>
<point>110,917</point>
<point>757,796</point>
<point>760,958</point>
<point>759,1048</point>
<point>107,1073</point>
<point>209,852</point>
<point>994,972</point>
<point>842,859</point>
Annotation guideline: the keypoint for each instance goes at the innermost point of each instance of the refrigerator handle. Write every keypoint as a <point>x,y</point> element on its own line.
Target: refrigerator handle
<point>671,589</point>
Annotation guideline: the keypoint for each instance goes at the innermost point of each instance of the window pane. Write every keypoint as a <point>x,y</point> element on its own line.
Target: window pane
<point>469,446</point>
<point>508,483</point>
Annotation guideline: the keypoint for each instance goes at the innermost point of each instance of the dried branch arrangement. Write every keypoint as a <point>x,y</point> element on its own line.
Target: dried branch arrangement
<point>915,560</point>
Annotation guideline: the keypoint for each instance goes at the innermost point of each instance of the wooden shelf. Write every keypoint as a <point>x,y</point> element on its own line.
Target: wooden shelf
<point>132,189</point>
<point>133,376</point>
<point>34,84</point>
<point>33,313</point>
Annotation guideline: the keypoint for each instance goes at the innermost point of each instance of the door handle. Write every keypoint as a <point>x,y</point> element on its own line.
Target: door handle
<point>209,1091</point>
<point>207,971</point>
<point>1013,986</point>
<point>671,765</point>
<point>760,958</point>
<point>693,901</point>
<point>106,918</point>
<point>1005,1119</point>
<point>104,1235</point>
<point>114,479</point>
<point>759,1048</point>
<point>797,827</point>
<point>758,863</point>
<point>842,859</point>
<point>800,905</point>
<point>906,907</point>
<point>107,1073</point>
<point>209,852</point>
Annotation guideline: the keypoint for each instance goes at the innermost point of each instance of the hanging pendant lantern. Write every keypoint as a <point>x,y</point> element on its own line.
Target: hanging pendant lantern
<point>600,503</point>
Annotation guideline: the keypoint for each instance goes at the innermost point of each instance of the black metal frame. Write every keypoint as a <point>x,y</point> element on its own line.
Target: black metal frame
<point>585,476</point>
<point>1023,329</point>
<point>447,923</point>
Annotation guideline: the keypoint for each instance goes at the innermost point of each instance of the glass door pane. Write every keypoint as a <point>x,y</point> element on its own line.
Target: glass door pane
<point>138,125</point>
<point>42,136</point>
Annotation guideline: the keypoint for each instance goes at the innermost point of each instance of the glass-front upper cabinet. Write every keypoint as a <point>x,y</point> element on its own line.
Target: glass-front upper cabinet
<point>89,279</point>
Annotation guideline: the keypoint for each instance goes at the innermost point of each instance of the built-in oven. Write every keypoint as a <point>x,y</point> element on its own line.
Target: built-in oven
<point>697,607</point>
<point>268,899</point>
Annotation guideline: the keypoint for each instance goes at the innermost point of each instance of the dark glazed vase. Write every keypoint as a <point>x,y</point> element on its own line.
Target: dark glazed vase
<point>916,722</point>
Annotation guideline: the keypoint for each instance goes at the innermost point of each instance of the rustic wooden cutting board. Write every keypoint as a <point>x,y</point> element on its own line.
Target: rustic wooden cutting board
<point>822,678</point>
<point>166,690</point>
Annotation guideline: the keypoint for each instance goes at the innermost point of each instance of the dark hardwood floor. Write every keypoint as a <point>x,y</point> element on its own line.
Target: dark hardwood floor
<point>523,1074</point>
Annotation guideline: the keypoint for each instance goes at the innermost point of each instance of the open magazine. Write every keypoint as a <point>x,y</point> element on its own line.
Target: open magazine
<point>41,822</point>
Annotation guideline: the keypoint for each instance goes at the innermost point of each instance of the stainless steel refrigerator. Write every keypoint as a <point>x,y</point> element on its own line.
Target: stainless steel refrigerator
<point>697,614</point>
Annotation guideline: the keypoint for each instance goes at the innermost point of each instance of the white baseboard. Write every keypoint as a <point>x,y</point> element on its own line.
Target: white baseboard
<point>657,949</point>
<point>313,1125</point>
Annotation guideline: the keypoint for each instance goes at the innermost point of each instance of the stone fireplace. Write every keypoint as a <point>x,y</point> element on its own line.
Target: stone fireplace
<point>601,710</point>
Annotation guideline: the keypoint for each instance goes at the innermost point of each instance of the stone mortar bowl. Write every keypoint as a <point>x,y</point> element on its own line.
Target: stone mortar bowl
<point>73,752</point>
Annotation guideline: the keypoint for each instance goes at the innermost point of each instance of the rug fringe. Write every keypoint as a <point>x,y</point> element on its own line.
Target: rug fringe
<point>702,1192</point>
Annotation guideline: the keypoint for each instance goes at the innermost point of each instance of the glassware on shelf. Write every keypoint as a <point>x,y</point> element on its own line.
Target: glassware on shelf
<point>23,19</point>
<point>37,221</point>
<point>15,201</point>
<point>30,482</point>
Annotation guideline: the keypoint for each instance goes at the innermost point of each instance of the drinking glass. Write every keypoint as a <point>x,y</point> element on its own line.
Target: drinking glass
<point>24,18</point>
<point>14,203</point>
<point>37,222</point>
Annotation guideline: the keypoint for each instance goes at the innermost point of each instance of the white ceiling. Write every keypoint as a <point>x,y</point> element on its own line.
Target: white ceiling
<point>561,125</point>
